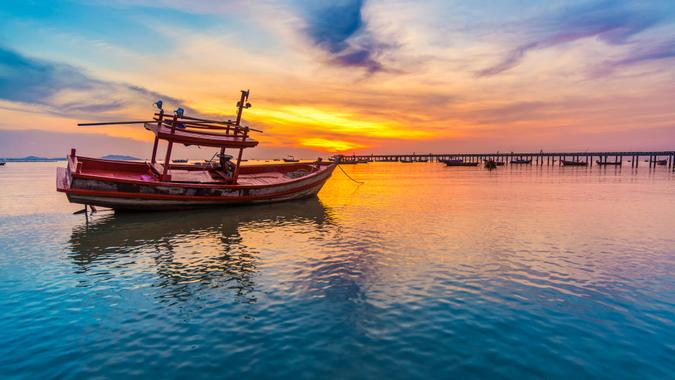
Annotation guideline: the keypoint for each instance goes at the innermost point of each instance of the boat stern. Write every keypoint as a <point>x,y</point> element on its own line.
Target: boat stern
<point>62,180</point>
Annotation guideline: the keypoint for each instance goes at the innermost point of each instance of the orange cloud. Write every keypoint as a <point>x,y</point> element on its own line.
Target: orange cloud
<point>315,119</point>
<point>330,145</point>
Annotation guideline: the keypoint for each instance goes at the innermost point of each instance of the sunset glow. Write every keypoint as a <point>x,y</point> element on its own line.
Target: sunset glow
<point>372,76</point>
<point>330,145</point>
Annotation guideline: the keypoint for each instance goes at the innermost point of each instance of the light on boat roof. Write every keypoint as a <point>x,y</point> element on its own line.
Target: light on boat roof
<point>158,104</point>
<point>180,112</point>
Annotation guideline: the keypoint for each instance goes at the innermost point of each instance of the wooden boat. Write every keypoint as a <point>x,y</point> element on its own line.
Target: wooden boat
<point>290,159</point>
<point>2,163</point>
<point>490,164</point>
<point>406,161</point>
<point>574,163</point>
<point>521,162</point>
<point>496,163</point>
<point>459,163</point>
<point>154,186</point>
<point>422,159</point>
<point>608,163</point>
<point>662,162</point>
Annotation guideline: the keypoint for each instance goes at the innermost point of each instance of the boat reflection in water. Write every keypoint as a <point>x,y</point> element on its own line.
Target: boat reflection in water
<point>189,251</point>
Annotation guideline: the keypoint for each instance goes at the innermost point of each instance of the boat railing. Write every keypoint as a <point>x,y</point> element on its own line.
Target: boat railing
<point>196,125</point>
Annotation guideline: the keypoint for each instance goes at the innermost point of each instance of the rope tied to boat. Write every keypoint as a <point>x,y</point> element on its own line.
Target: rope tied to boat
<point>348,176</point>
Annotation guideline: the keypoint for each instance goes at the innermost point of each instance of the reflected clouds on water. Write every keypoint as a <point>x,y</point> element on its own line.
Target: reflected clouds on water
<point>187,252</point>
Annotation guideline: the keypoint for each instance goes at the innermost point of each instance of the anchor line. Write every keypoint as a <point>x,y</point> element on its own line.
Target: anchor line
<point>348,176</point>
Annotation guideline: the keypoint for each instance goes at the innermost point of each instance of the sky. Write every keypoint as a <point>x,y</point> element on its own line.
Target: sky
<point>349,76</point>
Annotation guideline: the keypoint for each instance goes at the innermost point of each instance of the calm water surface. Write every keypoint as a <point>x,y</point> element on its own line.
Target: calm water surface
<point>423,272</point>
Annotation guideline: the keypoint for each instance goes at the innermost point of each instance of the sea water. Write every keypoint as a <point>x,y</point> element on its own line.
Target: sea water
<point>424,272</point>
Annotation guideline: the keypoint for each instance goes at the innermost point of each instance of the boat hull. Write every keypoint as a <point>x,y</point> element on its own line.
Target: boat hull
<point>130,203</point>
<point>574,163</point>
<point>608,163</point>
<point>462,163</point>
<point>134,196</point>
<point>495,163</point>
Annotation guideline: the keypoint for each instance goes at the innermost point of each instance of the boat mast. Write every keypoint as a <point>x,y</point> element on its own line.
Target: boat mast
<point>240,109</point>
<point>160,120</point>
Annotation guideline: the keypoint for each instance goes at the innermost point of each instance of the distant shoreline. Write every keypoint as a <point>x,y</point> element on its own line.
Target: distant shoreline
<point>30,159</point>
<point>116,157</point>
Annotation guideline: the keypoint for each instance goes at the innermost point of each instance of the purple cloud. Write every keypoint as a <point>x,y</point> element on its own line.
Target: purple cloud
<point>334,26</point>
<point>613,22</point>
<point>38,82</point>
<point>642,53</point>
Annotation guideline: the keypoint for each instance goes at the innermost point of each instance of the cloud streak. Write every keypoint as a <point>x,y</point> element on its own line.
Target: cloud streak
<point>647,52</point>
<point>65,90</point>
<point>611,21</point>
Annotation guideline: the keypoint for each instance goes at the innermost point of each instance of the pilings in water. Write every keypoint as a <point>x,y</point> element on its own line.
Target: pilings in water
<point>653,158</point>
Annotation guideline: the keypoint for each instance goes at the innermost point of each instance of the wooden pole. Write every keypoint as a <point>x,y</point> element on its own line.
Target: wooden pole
<point>167,158</point>
<point>156,143</point>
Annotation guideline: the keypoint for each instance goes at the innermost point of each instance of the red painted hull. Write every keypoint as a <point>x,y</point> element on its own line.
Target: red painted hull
<point>134,185</point>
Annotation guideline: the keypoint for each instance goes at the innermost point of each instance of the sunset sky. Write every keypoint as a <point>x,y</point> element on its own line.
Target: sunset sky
<point>350,76</point>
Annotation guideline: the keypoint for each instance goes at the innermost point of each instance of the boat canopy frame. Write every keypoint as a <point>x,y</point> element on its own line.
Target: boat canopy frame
<point>188,130</point>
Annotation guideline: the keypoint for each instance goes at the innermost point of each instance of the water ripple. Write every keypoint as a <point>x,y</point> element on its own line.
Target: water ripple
<point>425,273</point>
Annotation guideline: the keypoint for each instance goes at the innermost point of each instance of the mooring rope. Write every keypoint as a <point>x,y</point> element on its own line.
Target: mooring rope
<point>348,176</point>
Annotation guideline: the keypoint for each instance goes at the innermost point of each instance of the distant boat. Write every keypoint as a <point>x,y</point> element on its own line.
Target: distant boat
<point>406,161</point>
<point>2,163</point>
<point>490,164</point>
<point>496,163</point>
<point>574,163</point>
<point>179,161</point>
<point>662,162</point>
<point>521,162</point>
<point>608,163</point>
<point>422,159</point>
<point>290,159</point>
<point>362,161</point>
<point>459,163</point>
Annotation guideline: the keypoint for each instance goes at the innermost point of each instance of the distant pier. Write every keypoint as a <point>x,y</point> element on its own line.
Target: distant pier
<point>651,159</point>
